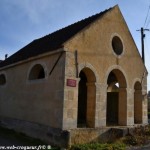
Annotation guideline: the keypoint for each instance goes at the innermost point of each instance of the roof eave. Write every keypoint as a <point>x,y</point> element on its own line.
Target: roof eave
<point>33,58</point>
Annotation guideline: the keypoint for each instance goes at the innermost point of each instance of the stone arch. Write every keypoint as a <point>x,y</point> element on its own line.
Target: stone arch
<point>37,71</point>
<point>88,65</point>
<point>86,98</point>
<point>134,82</point>
<point>138,103</point>
<point>119,68</point>
<point>116,113</point>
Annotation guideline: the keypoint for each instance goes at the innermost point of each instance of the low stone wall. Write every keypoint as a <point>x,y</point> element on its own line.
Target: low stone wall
<point>88,135</point>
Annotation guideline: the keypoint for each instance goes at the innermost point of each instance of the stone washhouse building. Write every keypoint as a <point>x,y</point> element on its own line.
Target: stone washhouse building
<point>75,83</point>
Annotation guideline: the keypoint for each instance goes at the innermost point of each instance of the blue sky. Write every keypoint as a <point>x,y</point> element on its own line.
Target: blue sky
<point>22,21</point>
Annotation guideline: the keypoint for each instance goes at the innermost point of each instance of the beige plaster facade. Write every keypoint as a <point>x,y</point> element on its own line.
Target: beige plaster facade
<point>89,61</point>
<point>38,101</point>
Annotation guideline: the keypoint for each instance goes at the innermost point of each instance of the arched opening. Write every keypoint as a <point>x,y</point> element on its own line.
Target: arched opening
<point>37,72</point>
<point>2,79</point>
<point>137,103</point>
<point>82,100</point>
<point>86,99</point>
<point>116,113</point>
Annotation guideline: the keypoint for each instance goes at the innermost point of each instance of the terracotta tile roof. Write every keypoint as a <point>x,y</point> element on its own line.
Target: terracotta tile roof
<point>50,42</point>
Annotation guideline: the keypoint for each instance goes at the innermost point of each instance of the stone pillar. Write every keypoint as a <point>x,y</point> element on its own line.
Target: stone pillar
<point>130,107</point>
<point>144,100</point>
<point>144,107</point>
<point>70,107</point>
<point>122,107</point>
<point>101,103</point>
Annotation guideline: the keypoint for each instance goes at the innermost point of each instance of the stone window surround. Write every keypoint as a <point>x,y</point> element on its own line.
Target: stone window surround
<point>112,36</point>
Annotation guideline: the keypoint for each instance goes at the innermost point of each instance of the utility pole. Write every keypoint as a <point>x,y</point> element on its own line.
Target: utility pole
<point>142,42</point>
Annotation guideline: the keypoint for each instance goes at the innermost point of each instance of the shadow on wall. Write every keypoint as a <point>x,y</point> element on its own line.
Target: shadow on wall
<point>113,134</point>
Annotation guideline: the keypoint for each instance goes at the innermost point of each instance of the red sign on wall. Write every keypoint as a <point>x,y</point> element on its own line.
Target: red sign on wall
<point>71,82</point>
